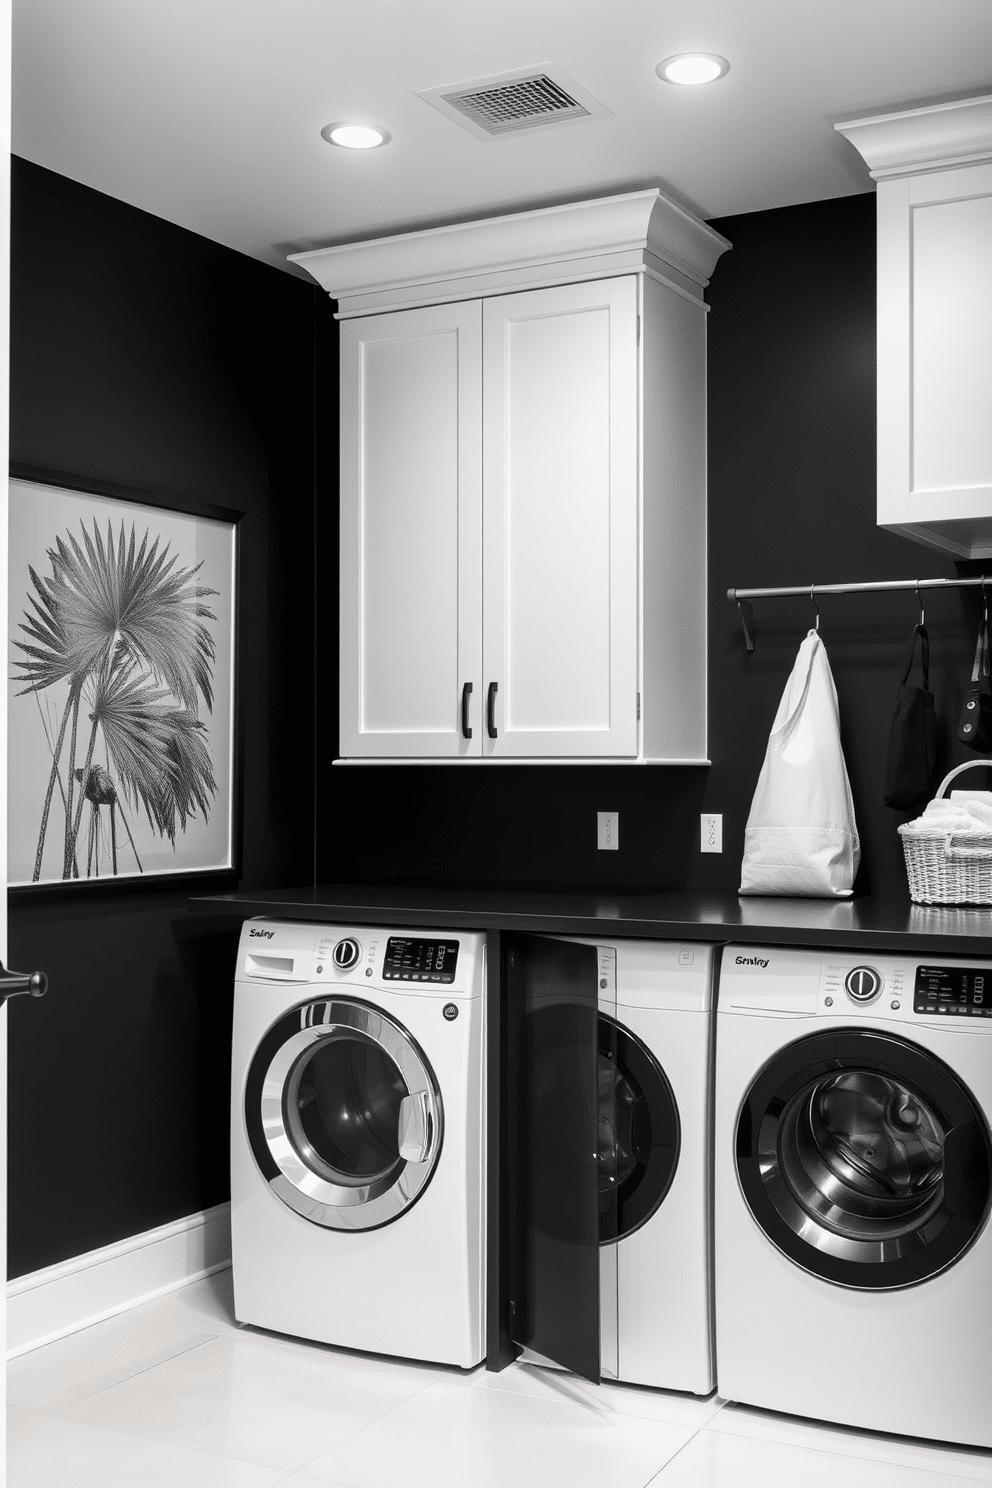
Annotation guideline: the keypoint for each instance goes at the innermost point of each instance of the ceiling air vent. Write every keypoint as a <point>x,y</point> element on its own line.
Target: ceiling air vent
<point>515,102</point>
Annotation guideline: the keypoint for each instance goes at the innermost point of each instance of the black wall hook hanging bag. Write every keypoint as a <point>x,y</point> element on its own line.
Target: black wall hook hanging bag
<point>975,724</point>
<point>912,757</point>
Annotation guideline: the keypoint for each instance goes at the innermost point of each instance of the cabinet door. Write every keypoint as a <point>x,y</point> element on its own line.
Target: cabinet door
<point>411,540</point>
<point>935,358</point>
<point>560,520</point>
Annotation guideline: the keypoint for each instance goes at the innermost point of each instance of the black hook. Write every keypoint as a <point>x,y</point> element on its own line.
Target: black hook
<point>919,601</point>
<point>816,607</point>
<point>747,621</point>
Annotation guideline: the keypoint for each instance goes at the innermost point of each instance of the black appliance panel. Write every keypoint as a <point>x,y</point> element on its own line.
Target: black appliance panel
<point>557,1131</point>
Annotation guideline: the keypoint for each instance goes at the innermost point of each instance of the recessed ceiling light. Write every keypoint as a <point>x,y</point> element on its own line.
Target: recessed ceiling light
<point>355,136</point>
<point>692,67</point>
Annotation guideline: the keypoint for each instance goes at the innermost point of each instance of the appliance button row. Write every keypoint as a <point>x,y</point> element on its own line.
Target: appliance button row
<point>416,976</point>
<point>953,1007</point>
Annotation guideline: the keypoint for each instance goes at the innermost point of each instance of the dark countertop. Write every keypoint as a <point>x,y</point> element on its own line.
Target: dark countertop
<point>869,923</point>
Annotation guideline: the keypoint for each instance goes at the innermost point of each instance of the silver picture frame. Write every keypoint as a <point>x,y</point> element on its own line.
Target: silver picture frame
<point>124,746</point>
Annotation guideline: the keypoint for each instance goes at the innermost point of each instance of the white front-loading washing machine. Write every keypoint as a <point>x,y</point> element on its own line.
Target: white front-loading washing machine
<point>853,1172</point>
<point>358,1137</point>
<point>653,1167</point>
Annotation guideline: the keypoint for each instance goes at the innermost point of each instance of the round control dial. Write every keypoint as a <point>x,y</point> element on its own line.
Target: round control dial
<point>346,953</point>
<point>863,984</point>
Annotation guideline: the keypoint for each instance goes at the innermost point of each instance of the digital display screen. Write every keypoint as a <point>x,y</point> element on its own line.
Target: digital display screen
<point>957,991</point>
<point>419,960</point>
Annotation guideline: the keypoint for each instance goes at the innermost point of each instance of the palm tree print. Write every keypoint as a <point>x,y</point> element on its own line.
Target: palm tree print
<point>126,628</point>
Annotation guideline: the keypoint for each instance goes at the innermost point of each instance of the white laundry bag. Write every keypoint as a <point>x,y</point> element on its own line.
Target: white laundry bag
<point>801,836</point>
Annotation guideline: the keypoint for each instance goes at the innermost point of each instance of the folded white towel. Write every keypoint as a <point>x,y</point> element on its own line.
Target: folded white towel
<point>982,810</point>
<point>968,817</point>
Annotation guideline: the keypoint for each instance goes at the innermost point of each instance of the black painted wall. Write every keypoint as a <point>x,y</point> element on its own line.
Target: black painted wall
<point>791,500</point>
<point>144,355</point>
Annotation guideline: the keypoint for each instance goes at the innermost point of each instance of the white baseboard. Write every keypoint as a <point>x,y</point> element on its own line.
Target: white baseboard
<point>48,1304</point>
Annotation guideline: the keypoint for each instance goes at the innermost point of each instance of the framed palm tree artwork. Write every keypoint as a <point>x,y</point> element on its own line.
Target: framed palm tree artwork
<point>121,678</point>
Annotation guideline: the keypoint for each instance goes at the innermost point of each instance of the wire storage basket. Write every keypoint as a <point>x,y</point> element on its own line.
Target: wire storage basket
<point>942,870</point>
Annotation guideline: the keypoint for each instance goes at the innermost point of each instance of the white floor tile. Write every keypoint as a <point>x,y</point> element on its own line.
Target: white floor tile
<point>611,1399</point>
<point>64,1454</point>
<point>962,1462</point>
<point>453,1436</point>
<point>716,1459</point>
<point>174,1392</point>
<point>19,1416</point>
<point>303,1480</point>
<point>62,1372</point>
<point>208,1303</point>
<point>256,1398</point>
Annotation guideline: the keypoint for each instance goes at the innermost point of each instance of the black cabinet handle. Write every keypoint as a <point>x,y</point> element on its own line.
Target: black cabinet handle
<point>14,983</point>
<point>491,710</point>
<point>466,694</point>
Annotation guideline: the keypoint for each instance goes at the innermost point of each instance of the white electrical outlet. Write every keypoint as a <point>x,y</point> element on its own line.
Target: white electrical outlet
<point>608,830</point>
<point>711,832</point>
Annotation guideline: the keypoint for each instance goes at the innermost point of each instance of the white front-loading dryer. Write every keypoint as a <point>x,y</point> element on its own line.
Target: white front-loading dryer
<point>657,1250</point>
<point>853,1177</point>
<point>358,1137</point>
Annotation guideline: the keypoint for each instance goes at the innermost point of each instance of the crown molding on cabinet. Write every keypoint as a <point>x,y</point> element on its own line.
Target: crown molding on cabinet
<point>639,232</point>
<point>914,141</point>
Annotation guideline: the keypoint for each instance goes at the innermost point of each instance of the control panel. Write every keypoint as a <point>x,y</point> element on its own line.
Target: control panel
<point>903,989</point>
<point>907,989</point>
<point>364,958</point>
<point>953,991</point>
<point>862,986</point>
<point>410,960</point>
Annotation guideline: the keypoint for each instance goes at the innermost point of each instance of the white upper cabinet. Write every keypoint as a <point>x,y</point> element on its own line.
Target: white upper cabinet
<point>523,486</point>
<point>934,173</point>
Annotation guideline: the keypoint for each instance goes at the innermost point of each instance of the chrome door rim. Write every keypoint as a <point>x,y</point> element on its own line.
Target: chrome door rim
<point>343,1205</point>
<point>904,1250</point>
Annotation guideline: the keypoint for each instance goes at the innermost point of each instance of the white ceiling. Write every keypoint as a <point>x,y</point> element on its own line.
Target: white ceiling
<point>208,112</point>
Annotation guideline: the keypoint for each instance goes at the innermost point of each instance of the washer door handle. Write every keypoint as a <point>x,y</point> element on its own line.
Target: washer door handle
<point>414,1135</point>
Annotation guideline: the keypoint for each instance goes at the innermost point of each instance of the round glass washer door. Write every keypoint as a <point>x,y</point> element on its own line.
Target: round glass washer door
<point>865,1159</point>
<point>343,1114</point>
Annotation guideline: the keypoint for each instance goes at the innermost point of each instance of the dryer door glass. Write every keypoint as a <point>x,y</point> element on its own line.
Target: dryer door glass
<point>637,1165</point>
<point>865,1159</point>
<point>343,1114</point>
<point>343,1104</point>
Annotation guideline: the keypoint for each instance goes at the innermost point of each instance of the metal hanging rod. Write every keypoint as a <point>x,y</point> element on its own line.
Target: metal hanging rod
<point>742,597</point>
